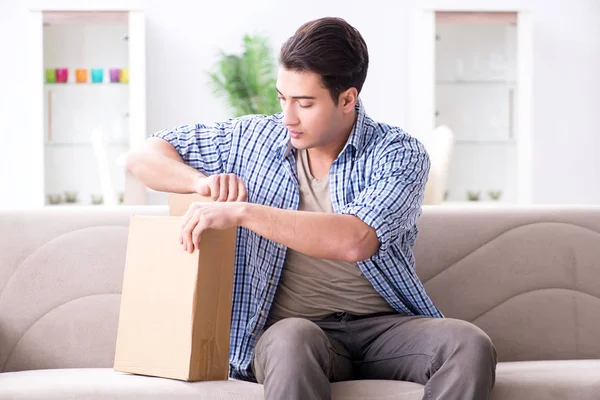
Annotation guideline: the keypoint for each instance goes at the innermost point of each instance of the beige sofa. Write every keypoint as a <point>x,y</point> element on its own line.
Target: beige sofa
<point>529,277</point>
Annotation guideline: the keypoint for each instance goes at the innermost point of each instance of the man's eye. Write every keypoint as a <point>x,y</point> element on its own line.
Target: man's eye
<point>281,99</point>
<point>305,105</point>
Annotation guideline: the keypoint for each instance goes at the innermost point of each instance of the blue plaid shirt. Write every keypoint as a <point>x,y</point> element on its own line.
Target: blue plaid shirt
<point>379,177</point>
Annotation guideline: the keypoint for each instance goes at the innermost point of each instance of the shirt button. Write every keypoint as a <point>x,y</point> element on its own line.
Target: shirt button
<point>279,246</point>
<point>271,281</point>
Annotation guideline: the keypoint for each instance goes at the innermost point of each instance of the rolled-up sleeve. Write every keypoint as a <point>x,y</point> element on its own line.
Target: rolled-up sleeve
<point>391,201</point>
<point>203,147</point>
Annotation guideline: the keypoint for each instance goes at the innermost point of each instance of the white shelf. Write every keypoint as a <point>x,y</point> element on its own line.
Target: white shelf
<point>75,144</point>
<point>78,204</point>
<point>85,84</point>
<point>63,115</point>
<point>480,203</point>
<point>476,82</point>
<point>506,142</point>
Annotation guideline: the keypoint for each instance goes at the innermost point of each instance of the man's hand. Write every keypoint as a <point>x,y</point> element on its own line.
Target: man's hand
<point>222,187</point>
<point>206,215</point>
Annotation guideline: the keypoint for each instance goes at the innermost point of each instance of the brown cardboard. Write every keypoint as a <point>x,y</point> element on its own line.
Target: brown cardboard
<point>179,203</point>
<point>176,307</point>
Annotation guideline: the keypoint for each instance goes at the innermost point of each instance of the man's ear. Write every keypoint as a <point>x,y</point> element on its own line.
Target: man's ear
<point>348,99</point>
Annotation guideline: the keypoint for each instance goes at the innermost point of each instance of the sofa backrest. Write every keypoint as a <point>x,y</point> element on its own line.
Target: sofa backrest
<point>529,277</point>
<point>61,272</point>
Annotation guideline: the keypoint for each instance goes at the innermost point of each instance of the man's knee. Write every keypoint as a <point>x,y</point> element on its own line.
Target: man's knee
<point>293,341</point>
<point>469,342</point>
<point>290,334</point>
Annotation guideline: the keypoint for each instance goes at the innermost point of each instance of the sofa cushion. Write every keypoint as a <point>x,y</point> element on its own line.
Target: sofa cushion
<point>548,380</point>
<point>104,384</point>
<point>526,380</point>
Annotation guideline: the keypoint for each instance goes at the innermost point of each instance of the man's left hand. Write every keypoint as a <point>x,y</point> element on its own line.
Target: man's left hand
<point>201,216</point>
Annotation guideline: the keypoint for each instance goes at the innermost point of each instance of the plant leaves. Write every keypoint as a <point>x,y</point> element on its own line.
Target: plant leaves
<point>247,81</point>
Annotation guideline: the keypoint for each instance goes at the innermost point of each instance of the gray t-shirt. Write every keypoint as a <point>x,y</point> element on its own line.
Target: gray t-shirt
<point>314,288</point>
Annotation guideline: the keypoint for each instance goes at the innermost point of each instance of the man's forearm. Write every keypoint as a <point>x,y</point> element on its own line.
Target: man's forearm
<point>319,235</point>
<point>163,173</point>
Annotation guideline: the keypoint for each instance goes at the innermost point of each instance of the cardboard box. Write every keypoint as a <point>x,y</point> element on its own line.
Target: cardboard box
<point>176,307</point>
<point>179,203</point>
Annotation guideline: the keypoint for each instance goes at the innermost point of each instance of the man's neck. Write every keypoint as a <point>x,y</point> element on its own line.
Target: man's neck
<point>321,158</point>
<point>330,152</point>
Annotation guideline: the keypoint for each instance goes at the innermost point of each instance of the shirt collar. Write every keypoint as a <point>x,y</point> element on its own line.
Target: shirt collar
<point>357,135</point>
<point>356,138</point>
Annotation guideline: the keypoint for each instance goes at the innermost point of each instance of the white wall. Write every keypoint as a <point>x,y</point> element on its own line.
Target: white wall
<point>184,36</point>
<point>16,174</point>
<point>567,103</point>
<point>186,53</point>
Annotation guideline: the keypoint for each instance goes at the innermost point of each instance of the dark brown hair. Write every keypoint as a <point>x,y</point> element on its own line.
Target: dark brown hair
<point>331,48</point>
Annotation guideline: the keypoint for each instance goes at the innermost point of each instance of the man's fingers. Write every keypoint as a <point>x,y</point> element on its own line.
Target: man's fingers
<point>214,187</point>
<point>205,187</point>
<point>197,233</point>
<point>233,188</point>
<point>196,236</point>
<point>185,219</point>
<point>188,214</point>
<point>223,188</point>
<point>188,243</point>
<point>242,192</point>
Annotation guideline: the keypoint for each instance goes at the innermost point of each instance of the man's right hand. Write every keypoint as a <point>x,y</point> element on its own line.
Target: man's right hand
<point>222,187</point>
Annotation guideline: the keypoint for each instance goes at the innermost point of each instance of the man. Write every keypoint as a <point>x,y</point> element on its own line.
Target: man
<point>325,287</point>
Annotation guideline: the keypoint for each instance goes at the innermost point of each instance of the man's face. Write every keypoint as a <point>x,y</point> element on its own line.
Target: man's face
<point>309,113</point>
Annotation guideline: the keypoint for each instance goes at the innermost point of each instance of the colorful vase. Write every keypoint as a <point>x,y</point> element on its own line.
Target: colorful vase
<point>124,78</point>
<point>62,75</point>
<point>97,75</point>
<point>50,74</point>
<point>114,75</point>
<point>81,75</point>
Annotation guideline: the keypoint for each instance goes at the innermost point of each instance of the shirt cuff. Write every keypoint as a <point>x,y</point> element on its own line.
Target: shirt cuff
<point>166,134</point>
<point>375,220</point>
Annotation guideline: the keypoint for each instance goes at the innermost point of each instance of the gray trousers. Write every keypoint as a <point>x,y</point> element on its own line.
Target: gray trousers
<point>297,359</point>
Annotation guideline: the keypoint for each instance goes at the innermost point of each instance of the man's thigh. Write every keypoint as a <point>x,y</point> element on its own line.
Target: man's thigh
<point>408,348</point>
<point>300,342</point>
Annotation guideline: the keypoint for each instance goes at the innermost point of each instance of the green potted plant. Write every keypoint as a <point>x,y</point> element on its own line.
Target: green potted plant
<point>247,80</point>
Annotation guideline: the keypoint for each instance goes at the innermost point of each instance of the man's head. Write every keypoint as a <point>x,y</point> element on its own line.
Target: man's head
<point>323,67</point>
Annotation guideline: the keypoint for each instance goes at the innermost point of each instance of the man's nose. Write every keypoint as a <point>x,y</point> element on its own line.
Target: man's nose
<point>289,116</point>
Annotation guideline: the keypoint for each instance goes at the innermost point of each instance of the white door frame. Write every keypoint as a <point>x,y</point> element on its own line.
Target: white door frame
<point>135,192</point>
<point>421,84</point>
<point>34,91</point>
